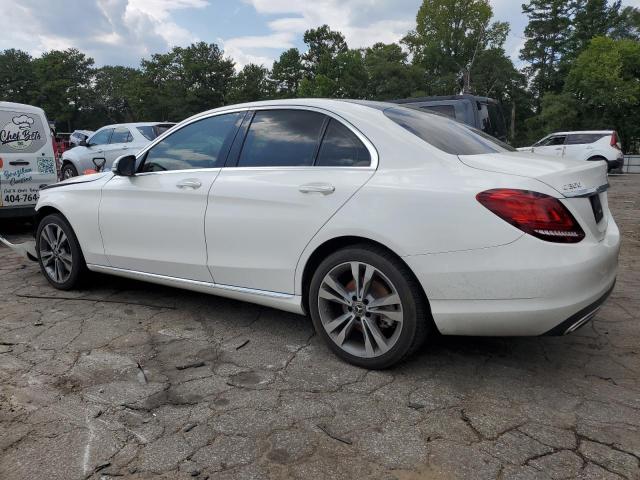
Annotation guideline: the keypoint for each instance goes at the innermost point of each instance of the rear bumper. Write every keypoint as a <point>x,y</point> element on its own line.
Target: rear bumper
<point>526,288</point>
<point>615,164</point>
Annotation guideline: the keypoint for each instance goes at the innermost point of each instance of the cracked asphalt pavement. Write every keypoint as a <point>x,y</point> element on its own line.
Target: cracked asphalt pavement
<point>127,379</point>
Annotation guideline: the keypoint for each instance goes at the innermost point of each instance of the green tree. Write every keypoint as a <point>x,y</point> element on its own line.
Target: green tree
<point>389,72</point>
<point>547,41</point>
<point>627,24</point>
<point>324,45</point>
<point>287,73</point>
<point>115,93</point>
<point>448,36</point>
<point>17,80</point>
<point>63,85</point>
<point>252,83</point>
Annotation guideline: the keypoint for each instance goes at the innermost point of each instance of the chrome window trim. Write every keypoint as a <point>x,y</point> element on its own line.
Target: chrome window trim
<point>373,153</point>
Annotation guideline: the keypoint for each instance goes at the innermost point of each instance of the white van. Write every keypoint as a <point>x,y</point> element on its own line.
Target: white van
<point>27,161</point>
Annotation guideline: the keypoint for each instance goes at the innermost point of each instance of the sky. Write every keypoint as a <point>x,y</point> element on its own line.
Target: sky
<point>121,32</point>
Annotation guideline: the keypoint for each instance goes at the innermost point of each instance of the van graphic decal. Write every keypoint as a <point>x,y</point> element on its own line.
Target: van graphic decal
<point>19,133</point>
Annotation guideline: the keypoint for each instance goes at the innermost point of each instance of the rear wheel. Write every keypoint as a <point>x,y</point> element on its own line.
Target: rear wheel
<point>367,306</point>
<point>59,255</point>
<point>68,171</point>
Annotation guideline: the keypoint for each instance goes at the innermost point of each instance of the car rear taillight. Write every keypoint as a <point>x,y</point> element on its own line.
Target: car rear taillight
<point>535,213</point>
<point>614,141</point>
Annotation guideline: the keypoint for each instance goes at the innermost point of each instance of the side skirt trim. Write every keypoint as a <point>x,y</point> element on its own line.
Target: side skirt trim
<point>281,301</point>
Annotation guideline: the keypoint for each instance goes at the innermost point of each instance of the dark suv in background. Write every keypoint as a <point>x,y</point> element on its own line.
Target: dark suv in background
<point>483,113</point>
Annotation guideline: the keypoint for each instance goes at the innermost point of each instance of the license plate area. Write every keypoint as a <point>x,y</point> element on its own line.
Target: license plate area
<point>596,206</point>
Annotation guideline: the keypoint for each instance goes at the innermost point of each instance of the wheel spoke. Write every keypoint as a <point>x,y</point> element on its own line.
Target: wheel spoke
<point>333,324</point>
<point>377,335</point>
<point>56,270</point>
<point>46,235</point>
<point>46,256</point>
<point>346,330</point>
<point>59,235</point>
<point>67,261</point>
<point>368,344</point>
<point>394,315</point>
<point>326,294</point>
<point>355,272</point>
<point>339,289</point>
<point>392,299</point>
<point>366,281</point>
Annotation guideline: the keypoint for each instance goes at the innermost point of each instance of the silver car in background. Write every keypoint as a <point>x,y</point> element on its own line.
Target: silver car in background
<point>109,143</point>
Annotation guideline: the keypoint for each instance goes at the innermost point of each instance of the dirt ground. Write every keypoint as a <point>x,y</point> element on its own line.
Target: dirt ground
<point>127,379</point>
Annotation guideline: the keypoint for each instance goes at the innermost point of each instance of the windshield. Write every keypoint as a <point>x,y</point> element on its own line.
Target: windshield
<point>150,132</point>
<point>445,134</point>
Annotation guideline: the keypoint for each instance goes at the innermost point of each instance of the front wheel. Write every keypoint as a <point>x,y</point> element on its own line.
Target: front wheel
<point>59,255</point>
<point>367,306</point>
<point>68,171</point>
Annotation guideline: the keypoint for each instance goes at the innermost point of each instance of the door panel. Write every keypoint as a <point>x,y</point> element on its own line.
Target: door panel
<point>154,222</point>
<point>259,220</point>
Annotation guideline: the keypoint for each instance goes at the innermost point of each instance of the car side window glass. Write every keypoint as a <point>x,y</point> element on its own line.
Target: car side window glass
<point>342,148</point>
<point>583,138</point>
<point>282,138</point>
<point>121,135</point>
<point>102,137</point>
<point>558,140</point>
<point>201,144</point>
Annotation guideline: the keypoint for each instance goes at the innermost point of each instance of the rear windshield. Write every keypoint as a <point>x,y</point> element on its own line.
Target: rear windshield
<point>150,132</point>
<point>447,135</point>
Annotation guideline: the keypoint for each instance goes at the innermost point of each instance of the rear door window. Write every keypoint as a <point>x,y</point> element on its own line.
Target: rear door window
<point>121,135</point>
<point>444,134</point>
<point>342,148</point>
<point>555,140</point>
<point>282,138</point>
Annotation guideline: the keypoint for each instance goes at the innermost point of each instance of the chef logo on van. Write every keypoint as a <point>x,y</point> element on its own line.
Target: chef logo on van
<point>19,134</point>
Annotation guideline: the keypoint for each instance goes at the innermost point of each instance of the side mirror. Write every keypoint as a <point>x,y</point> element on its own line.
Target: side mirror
<point>125,166</point>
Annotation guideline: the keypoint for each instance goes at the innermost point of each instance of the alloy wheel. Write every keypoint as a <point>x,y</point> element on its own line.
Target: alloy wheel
<point>55,253</point>
<point>360,309</point>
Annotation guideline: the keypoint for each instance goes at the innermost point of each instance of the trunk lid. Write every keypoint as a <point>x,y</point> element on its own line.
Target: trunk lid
<point>583,184</point>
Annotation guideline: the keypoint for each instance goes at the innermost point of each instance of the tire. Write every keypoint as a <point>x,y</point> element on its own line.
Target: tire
<point>65,267</point>
<point>392,293</point>
<point>68,170</point>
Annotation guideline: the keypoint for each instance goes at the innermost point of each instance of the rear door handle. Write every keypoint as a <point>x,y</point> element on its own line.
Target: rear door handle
<point>190,183</point>
<point>18,162</point>
<point>323,188</point>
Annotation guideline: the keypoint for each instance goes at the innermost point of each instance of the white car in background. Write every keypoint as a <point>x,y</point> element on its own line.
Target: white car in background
<point>109,143</point>
<point>382,222</point>
<point>593,145</point>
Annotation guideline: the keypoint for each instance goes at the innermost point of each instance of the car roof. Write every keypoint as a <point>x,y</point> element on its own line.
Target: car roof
<point>136,124</point>
<point>575,132</point>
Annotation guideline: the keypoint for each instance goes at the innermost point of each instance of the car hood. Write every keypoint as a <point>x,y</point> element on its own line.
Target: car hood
<point>78,180</point>
<point>569,177</point>
<point>74,153</point>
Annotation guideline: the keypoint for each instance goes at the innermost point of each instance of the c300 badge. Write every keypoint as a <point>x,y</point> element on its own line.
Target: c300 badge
<point>572,187</point>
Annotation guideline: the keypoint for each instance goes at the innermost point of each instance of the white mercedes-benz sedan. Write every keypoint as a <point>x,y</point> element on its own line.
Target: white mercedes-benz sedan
<point>385,224</point>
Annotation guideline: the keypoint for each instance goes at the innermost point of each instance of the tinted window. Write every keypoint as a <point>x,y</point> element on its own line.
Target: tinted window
<point>121,135</point>
<point>151,132</point>
<point>102,137</point>
<point>201,144</point>
<point>282,138</point>
<point>447,135</point>
<point>447,110</point>
<point>342,148</point>
<point>581,138</point>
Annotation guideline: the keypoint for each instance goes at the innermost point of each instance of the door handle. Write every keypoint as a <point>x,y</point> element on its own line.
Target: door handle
<point>189,184</point>
<point>18,162</point>
<point>323,188</point>
<point>559,148</point>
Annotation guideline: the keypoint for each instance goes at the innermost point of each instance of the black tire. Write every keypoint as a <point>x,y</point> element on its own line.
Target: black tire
<point>68,170</point>
<point>78,268</point>
<point>416,322</point>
